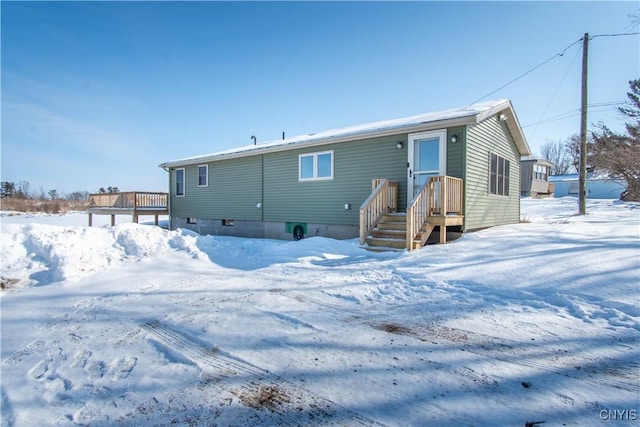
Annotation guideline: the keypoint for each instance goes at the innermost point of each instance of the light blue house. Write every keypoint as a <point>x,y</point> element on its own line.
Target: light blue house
<point>598,186</point>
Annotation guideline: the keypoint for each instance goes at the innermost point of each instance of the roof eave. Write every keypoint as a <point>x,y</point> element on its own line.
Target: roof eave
<point>439,124</point>
<point>513,124</point>
<point>516,131</point>
<point>504,107</point>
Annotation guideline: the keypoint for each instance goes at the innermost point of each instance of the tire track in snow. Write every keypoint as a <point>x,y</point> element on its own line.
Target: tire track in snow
<point>477,343</point>
<point>6,411</point>
<point>509,352</point>
<point>295,405</point>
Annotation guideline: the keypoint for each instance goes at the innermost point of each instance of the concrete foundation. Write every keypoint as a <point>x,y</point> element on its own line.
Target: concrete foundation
<point>260,229</point>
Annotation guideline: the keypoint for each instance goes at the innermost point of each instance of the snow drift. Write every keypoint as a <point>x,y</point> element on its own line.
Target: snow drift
<point>136,325</point>
<point>39,254</point>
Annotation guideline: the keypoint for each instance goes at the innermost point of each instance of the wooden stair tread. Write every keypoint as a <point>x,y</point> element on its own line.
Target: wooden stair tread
<point>389,233</point>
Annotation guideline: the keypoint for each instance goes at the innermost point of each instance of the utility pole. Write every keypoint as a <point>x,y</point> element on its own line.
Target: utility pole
<point>582,208</point>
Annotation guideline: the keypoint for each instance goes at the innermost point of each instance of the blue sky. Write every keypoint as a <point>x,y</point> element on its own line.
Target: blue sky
<point>99,93</point>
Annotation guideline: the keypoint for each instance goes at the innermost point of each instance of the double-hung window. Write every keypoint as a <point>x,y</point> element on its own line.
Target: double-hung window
<point>540,172</point>
<point>203,175</point>
<point>180,182</point>
<point>498,175</point>
<point>315,166</point>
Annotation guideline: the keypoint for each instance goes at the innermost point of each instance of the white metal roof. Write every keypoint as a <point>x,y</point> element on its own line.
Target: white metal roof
<point>544,162</point>
<point>454,117</point>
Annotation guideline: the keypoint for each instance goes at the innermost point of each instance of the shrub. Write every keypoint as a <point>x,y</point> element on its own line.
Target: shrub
<point>48,206</point>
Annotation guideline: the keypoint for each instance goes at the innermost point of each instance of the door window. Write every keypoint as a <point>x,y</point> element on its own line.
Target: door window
<point>426,159</point>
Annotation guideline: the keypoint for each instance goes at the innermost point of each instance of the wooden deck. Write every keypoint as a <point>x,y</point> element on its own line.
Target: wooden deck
<point>134,203</point>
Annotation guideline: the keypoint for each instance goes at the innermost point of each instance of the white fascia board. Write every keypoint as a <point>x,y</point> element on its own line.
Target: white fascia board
<point>258,150</point>
<point>516,131</point>
<point>513,124</point>
<point>492,111</point>
<point>544,162</point>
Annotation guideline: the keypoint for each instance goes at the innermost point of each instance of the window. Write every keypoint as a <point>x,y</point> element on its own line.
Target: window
<point>315,166</point>
<point>203,175</point>
<point>191,220</point>
<point>498,175</point>
<point>180,182</point>
<point>574,188</point>
<point>540,172</point>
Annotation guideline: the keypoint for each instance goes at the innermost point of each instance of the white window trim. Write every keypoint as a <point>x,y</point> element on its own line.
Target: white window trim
<point>489,180</point>
<point>315,166</point>
<point>184,182</point>
<point>542,171</point>
<point>206,178</point>
<point>442,153</point>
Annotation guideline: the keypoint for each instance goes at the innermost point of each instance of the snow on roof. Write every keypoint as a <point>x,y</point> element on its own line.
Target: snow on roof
<point>591,176</point>
<point>537,160</point>
<point>474,113</point>
<point>565,177</point>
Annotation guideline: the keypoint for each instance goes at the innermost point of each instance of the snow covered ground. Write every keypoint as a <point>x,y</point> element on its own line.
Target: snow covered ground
<point>136,325</point>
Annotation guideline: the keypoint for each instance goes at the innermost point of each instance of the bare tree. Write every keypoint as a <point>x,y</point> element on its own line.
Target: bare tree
<point>618,154</point>
<point>635,19</point>
<point>23,190</point>
<point>572,148</point>
<point>556,153</point>
<point>78,195</point>
<point>42,195</point>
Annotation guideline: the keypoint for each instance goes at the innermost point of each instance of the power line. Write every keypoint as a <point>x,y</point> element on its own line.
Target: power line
<point>562,52</point>
<point>573,113</point>
<point>567,116</point>
<point>594,108</point>
<point>613,35</point>
<point>606,104</point>
<point>555,93</point>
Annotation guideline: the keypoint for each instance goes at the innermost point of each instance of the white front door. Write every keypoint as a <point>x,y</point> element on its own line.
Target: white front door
<point>427,158</point>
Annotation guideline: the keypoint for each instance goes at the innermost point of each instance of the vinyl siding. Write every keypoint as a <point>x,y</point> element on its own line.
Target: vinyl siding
<point>233,191</point>
<point>539,186</point>
<point>236,186</point>
<point>355,165</point>
<point>526,176</point>
<point>481,208</point>
<point>528,183</point>
<point>455,152</point>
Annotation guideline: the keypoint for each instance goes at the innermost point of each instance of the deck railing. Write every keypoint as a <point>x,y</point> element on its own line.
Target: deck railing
<point>136,203</point>
<point>129,200</point>
<point>151,200</point>
<point>439,196</point>
<point>383,199</point>
<point>445,196</point>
